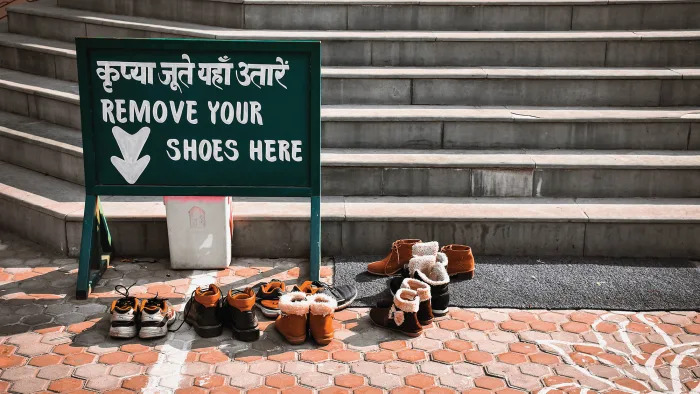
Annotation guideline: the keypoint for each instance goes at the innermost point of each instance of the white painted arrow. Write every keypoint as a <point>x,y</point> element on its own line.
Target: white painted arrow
<point>131,167</point>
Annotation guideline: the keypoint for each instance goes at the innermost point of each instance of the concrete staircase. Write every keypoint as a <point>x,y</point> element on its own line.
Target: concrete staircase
<point>535,127</point>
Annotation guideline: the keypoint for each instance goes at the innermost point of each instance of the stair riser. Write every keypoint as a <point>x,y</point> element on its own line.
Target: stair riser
<point>405,17</point>
<point>438,134</point>
<point>503,181</point>
<point>290,238</point>
<point>510,182</point>
<point>638,53</point>
<point>528,92</point>
<point>278,239</point>
<point>511,135</point>
<point>40,107</point>
<point>404,91</point>
<point>42,159</point>
<point>39,63</point>
<point>472,92</point>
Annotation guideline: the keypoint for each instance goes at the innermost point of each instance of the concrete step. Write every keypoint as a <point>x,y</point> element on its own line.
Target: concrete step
<point>396,48</point>
<point>411,14</point>
<point>49,211</point>
<point>510,127</point>
<point>512,86</point>
<point>376,172</point>
<point>41,98</point>
<point>439,86</point>
<point>426,127</point>
<point>48,58</point>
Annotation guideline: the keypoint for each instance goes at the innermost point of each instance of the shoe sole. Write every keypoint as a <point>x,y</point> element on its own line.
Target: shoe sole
<point>294,340</point>
<point>267,312</point>
<point>206,331</point>
<point>156,332</point>
<point>440,312</point>
<point>123,332</point>
<point>249,335</point>
<point>410,334</point>
<point>384,274</point>
<point>323,342</point>
<point>346,303</point>
<point>465,275</point>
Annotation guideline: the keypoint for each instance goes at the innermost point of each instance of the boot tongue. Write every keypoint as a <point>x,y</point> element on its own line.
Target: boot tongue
<point>307,287</point>
<point>208,297</point>
<point>242,300</point>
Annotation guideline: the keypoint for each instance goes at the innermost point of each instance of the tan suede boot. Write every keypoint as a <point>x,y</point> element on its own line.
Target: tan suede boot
<point>401,253</point>
<point>321,308</point>
<point>460,260</point>
<point>294,311</point>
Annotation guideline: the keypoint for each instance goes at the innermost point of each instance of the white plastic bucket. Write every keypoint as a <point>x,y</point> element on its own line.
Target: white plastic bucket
<point>199,231</point>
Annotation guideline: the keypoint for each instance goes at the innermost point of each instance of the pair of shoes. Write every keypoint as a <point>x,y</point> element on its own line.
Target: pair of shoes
<point>302,314</point>
<point>408,311</point>
<point>130,316</point>
<point>430,267</point>
<point>269,294</point>
<point>207,311</point>
<point>460,258</point>
<point>421,294</point>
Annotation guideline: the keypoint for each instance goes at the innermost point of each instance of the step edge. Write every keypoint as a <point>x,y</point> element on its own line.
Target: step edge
<point>41,141</point>
<point>500,160</point>
<point>207,31</point>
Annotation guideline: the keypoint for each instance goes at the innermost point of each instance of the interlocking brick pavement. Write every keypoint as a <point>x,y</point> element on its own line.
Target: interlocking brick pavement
<point>49,341</point>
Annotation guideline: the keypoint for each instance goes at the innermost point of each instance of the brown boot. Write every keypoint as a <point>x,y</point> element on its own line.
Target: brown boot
<point>459,260</point>
<point>425,310</point>
<point>401,253</point>
<point>294,311</point>
<point>321,308</point>
<point>400,314</point>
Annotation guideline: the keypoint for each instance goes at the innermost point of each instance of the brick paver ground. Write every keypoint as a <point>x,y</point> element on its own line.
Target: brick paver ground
<point>51,342</point>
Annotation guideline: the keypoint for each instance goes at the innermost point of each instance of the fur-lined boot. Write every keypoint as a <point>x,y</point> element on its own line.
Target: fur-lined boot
<point>425,309</point>
<point>321,308</point>
<point>425,249</point>
<point>294,311</point>
<point>399,314</point>
<point>432,271</point>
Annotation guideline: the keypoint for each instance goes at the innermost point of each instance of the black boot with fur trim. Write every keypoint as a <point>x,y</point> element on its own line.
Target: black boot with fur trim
<point>425,309</point>
<point>432,271</point>
<point>399,314</point>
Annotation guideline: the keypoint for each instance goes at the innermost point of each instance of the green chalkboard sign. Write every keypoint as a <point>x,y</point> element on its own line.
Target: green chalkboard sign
<point>200,117</point>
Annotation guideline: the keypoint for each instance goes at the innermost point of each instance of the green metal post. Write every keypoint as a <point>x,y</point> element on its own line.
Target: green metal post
<point>86,248</point>
<point>315,242</point>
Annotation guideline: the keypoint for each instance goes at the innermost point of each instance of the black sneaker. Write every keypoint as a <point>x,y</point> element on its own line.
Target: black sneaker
<point>202,311</point>
<point>237,314</point>
<point>344,295</point>
<point>267,298</point>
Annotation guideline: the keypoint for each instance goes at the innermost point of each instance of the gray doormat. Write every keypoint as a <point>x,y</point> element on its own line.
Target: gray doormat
<point>552,283</point>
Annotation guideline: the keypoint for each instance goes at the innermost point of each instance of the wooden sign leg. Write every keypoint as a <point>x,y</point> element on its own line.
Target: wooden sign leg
<point>95,247</point>
<point>315,242</point>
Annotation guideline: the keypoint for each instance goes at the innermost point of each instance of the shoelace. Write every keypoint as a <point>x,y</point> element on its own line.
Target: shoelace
<point>186,312</point>
<point>234,292</point>
<point>126,300</point>
<point>156,301</point>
